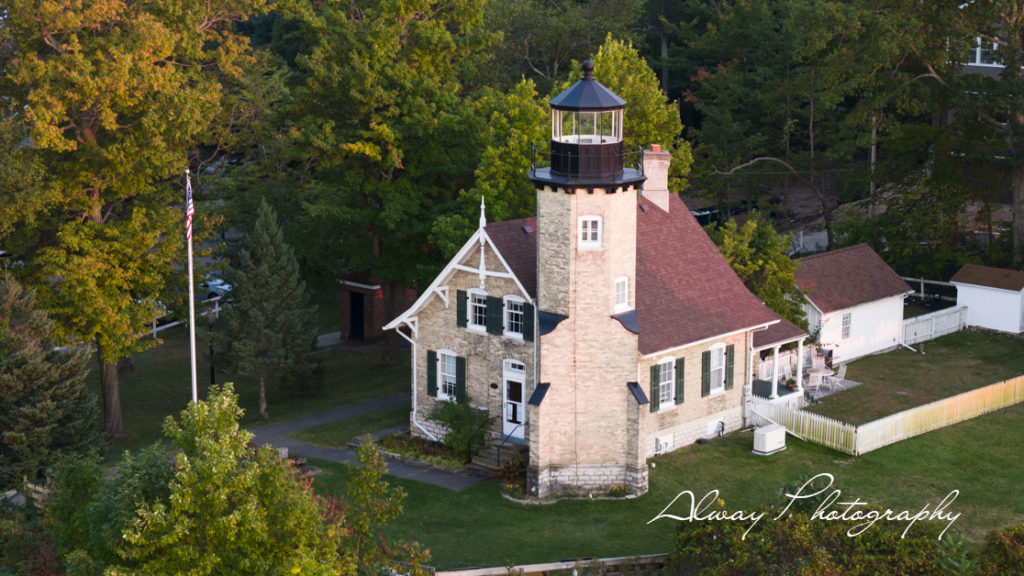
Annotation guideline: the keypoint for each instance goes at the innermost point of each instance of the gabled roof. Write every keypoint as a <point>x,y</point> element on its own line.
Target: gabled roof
<point>516,241</point>
<point>686,292</point>
<point>1002,278</point>
<point>847,277</point>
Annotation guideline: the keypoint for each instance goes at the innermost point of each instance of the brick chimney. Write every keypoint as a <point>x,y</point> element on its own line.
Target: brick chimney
<point>655,189</point>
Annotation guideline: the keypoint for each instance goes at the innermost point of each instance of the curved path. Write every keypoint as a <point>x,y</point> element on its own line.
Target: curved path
<point>277,436</point>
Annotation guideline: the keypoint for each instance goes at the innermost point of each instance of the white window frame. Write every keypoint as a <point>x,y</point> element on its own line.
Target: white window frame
<point>847,321</point>
<point>452,377</point>
<point>507,316</point>
<point>620,294</point>
<point>666,383</point>
<point>584,233</point>
<point>471,306</point>
<point>716,386</point>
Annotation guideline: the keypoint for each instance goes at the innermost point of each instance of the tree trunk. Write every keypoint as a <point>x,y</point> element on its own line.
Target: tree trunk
<point>393,294</point>
<point>263,399</point>
<point>113,425</point>
<point>1018,216</point>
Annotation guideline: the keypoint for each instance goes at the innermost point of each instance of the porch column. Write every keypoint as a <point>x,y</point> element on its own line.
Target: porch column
<point>775,372</point>
<point>800,366</point>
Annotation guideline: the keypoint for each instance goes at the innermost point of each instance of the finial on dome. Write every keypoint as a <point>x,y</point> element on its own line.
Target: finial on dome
<point>588,70</point>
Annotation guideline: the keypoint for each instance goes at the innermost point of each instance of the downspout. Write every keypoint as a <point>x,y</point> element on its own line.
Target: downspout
<point>414,386</point>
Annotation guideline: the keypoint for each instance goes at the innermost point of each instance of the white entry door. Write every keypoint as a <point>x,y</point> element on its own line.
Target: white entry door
<point>514,387</point>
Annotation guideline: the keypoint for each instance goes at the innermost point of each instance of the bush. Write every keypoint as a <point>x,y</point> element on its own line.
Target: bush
<point>1003,552</point>
<point>466,426</point>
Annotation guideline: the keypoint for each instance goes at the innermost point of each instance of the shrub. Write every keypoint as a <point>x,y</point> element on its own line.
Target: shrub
<point>466,426</point>
<point>1003,552</point>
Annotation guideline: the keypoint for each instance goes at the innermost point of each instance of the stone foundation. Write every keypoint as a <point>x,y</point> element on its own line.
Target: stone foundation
<point>585,480</point>
<point>689,432</point>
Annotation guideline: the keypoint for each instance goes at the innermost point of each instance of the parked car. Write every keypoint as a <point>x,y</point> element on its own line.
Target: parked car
<point>215,287</point>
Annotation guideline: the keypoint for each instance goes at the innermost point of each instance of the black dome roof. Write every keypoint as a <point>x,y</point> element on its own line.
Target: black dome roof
<point>587,94</point>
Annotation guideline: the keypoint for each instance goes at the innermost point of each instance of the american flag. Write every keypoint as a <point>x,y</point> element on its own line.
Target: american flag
<point>189,208</point>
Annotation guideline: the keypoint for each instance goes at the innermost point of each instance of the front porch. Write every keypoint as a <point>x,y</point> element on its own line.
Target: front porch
<point>785,394</point>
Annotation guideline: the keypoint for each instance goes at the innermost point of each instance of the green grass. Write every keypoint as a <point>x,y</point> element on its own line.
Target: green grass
<point>161,386</point>
<point>903,379</point>
<point>339,433</point>
<point>477,527</point>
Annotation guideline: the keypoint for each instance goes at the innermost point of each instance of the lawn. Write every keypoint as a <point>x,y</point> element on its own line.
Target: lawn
<point>478,527</point>
<point>903,379</point>
<point>161,386</point>
<point>339,433</point>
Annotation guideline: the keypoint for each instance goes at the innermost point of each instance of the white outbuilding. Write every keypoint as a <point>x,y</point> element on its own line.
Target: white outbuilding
<point>994,297</point>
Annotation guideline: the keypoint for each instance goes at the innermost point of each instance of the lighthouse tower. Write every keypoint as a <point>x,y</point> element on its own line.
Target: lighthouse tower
<point>584,431</point>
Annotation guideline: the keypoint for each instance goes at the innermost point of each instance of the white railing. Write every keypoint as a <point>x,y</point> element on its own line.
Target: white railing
<point>857,440</point>
<point>933,325</point>
<point>939,414</point>
<point>806,425</point>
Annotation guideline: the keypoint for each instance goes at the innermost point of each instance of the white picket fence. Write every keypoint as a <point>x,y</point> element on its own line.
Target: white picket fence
<point>857,440</point>
<point>806,425</point>
<point>930,326</point>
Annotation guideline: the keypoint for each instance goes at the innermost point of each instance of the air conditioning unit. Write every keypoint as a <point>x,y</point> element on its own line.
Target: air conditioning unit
<point>662,444</point>
<point>769,439</point>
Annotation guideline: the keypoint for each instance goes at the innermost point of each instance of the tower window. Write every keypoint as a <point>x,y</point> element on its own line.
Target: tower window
<point>590,232</point>
<point>621,294</point>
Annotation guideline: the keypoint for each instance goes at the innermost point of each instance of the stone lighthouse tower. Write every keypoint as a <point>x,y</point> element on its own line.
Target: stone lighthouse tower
<point>583,435</point>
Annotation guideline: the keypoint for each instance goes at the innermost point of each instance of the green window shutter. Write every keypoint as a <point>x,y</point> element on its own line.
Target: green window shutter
<point>528,322</point>
<point>432,373</point>
<point>679,381</point>
<point>705,373</point>
<point>460,308</point>
<point>730,358</point>
<point>655,397</point>
<point>460,379</point>
<point>495,311</point>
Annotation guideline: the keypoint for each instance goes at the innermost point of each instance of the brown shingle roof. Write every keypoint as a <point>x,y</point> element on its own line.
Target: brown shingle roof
<point>847,277</point>
<point>519,248</point>
<point>686,291</point>
<point>781,333</point>
<point>1002,278</point>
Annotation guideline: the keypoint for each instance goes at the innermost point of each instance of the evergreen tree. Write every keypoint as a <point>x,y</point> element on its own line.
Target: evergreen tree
<point>45,410</point>
<point>271,329</point>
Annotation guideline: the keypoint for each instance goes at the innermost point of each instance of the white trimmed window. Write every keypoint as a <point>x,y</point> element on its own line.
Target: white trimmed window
<point>477,313</point>
<point>666,383</point>
<point>621,292</point>
<point>514,311</point>
<point>590,232</point>
<point>847,318</point>
<point>716,370</point>
<point>446,374</point>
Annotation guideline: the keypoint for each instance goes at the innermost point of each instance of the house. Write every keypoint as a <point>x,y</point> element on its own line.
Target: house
<point>994,297</point>
<point>605,331</point>
<point>362,307</point>
<point>854,301</point>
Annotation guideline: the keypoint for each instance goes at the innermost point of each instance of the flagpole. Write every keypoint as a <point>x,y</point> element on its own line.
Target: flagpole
<point>189,210</point>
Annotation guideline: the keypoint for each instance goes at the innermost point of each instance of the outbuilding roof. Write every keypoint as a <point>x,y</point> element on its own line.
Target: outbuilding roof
<point>846,278</point>
<point>1002,278</point>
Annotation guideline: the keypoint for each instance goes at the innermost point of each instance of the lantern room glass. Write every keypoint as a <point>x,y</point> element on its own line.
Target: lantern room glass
<point>586,126</point>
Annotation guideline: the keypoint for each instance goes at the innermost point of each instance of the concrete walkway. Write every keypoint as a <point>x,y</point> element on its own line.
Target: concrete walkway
<point>277,436</point>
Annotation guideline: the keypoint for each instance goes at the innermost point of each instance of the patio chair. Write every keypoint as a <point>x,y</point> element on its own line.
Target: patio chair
<point>835,382</point>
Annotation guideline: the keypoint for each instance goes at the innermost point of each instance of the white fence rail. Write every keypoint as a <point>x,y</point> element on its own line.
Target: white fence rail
<point>857,440</point>
<point>930,326</point>
<point>806,425</point>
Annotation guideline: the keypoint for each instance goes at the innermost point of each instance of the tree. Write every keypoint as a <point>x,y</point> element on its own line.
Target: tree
<point>45,410</point>
<point>270,327</point>
<point>758,255</point>
<point>223,508</point>
<point>114,93</point>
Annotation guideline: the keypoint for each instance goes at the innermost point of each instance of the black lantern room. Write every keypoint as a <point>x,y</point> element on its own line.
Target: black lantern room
<point>586,137</point>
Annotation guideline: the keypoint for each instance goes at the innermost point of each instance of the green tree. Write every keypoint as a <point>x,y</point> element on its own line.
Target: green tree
<point>759,255</point>
<point>45,410</point>
<point>466,426</point>
<point>114,94</point>
<point>224,507</point>
<point>270,329</point>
